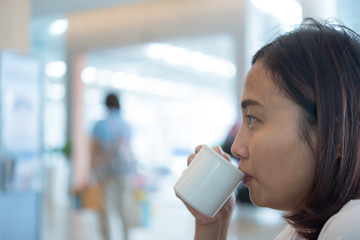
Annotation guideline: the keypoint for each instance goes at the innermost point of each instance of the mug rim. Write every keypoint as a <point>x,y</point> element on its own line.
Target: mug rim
<point>206,148</point>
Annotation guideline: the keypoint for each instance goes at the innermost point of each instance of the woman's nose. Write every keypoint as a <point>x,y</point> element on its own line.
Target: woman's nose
<point>239,148</point>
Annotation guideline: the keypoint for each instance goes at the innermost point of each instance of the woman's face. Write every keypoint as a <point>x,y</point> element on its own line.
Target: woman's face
<point>278,164</point>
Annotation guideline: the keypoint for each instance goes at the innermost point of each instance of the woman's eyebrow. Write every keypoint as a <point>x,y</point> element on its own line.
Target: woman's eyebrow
<point>250,102</point>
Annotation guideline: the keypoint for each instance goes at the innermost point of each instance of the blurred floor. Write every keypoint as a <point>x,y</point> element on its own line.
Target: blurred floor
<point>167,218</point>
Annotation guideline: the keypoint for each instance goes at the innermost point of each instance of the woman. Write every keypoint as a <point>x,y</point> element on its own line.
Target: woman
<point>299,141</point>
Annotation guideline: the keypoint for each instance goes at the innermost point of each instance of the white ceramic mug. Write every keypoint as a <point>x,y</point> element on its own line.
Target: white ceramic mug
<point>208,181</point>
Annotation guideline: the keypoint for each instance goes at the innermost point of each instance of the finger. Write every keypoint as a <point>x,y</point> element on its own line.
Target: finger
<point>195,212</point>
<point>190,158</point>
<point>219,150</point>
<point>197,149</point>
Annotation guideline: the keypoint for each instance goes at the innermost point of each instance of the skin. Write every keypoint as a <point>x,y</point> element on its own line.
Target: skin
<point>278,164</point>
<point>216,227</point>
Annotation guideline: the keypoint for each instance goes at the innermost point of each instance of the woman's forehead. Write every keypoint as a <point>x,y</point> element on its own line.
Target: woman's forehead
<point>258,82</point>
<point>260,87</point>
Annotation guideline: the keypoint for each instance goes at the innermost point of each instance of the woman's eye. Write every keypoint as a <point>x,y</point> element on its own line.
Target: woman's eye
<point>251,119</point>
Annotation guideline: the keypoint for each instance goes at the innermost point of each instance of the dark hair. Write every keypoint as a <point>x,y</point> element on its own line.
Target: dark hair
<point>112,101</point>
<point>317,66</point>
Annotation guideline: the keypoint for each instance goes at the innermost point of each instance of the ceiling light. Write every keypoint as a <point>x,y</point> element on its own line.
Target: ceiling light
<point>56,69</point>
<point>59,27</point>
<point>197,60</point>
<point>89,74</point>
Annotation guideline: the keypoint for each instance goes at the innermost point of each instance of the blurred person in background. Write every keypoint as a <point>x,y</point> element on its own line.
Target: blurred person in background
<point>111,163</point>
<point>299,143</point>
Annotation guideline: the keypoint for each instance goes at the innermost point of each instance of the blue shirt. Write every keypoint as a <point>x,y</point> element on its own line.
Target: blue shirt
<point>112,128</point>
<point>113,135</point>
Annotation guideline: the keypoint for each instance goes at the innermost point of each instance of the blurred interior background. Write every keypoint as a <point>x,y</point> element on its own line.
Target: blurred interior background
<point>178,67</point>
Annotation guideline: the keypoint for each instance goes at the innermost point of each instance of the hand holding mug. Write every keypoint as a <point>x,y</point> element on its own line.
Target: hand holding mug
<point>207,185</point>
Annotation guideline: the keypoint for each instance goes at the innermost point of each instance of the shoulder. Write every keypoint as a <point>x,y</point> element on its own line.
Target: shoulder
<point>99,124</point>
<point>99,127</point>
<point>344,224</point>
<point>288,233</point>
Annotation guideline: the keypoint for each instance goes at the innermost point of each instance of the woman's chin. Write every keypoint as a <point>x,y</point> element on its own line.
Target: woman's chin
<point>259,202</point>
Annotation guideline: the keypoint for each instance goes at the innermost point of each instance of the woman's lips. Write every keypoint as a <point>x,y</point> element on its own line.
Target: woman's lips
<point>247,178</point>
